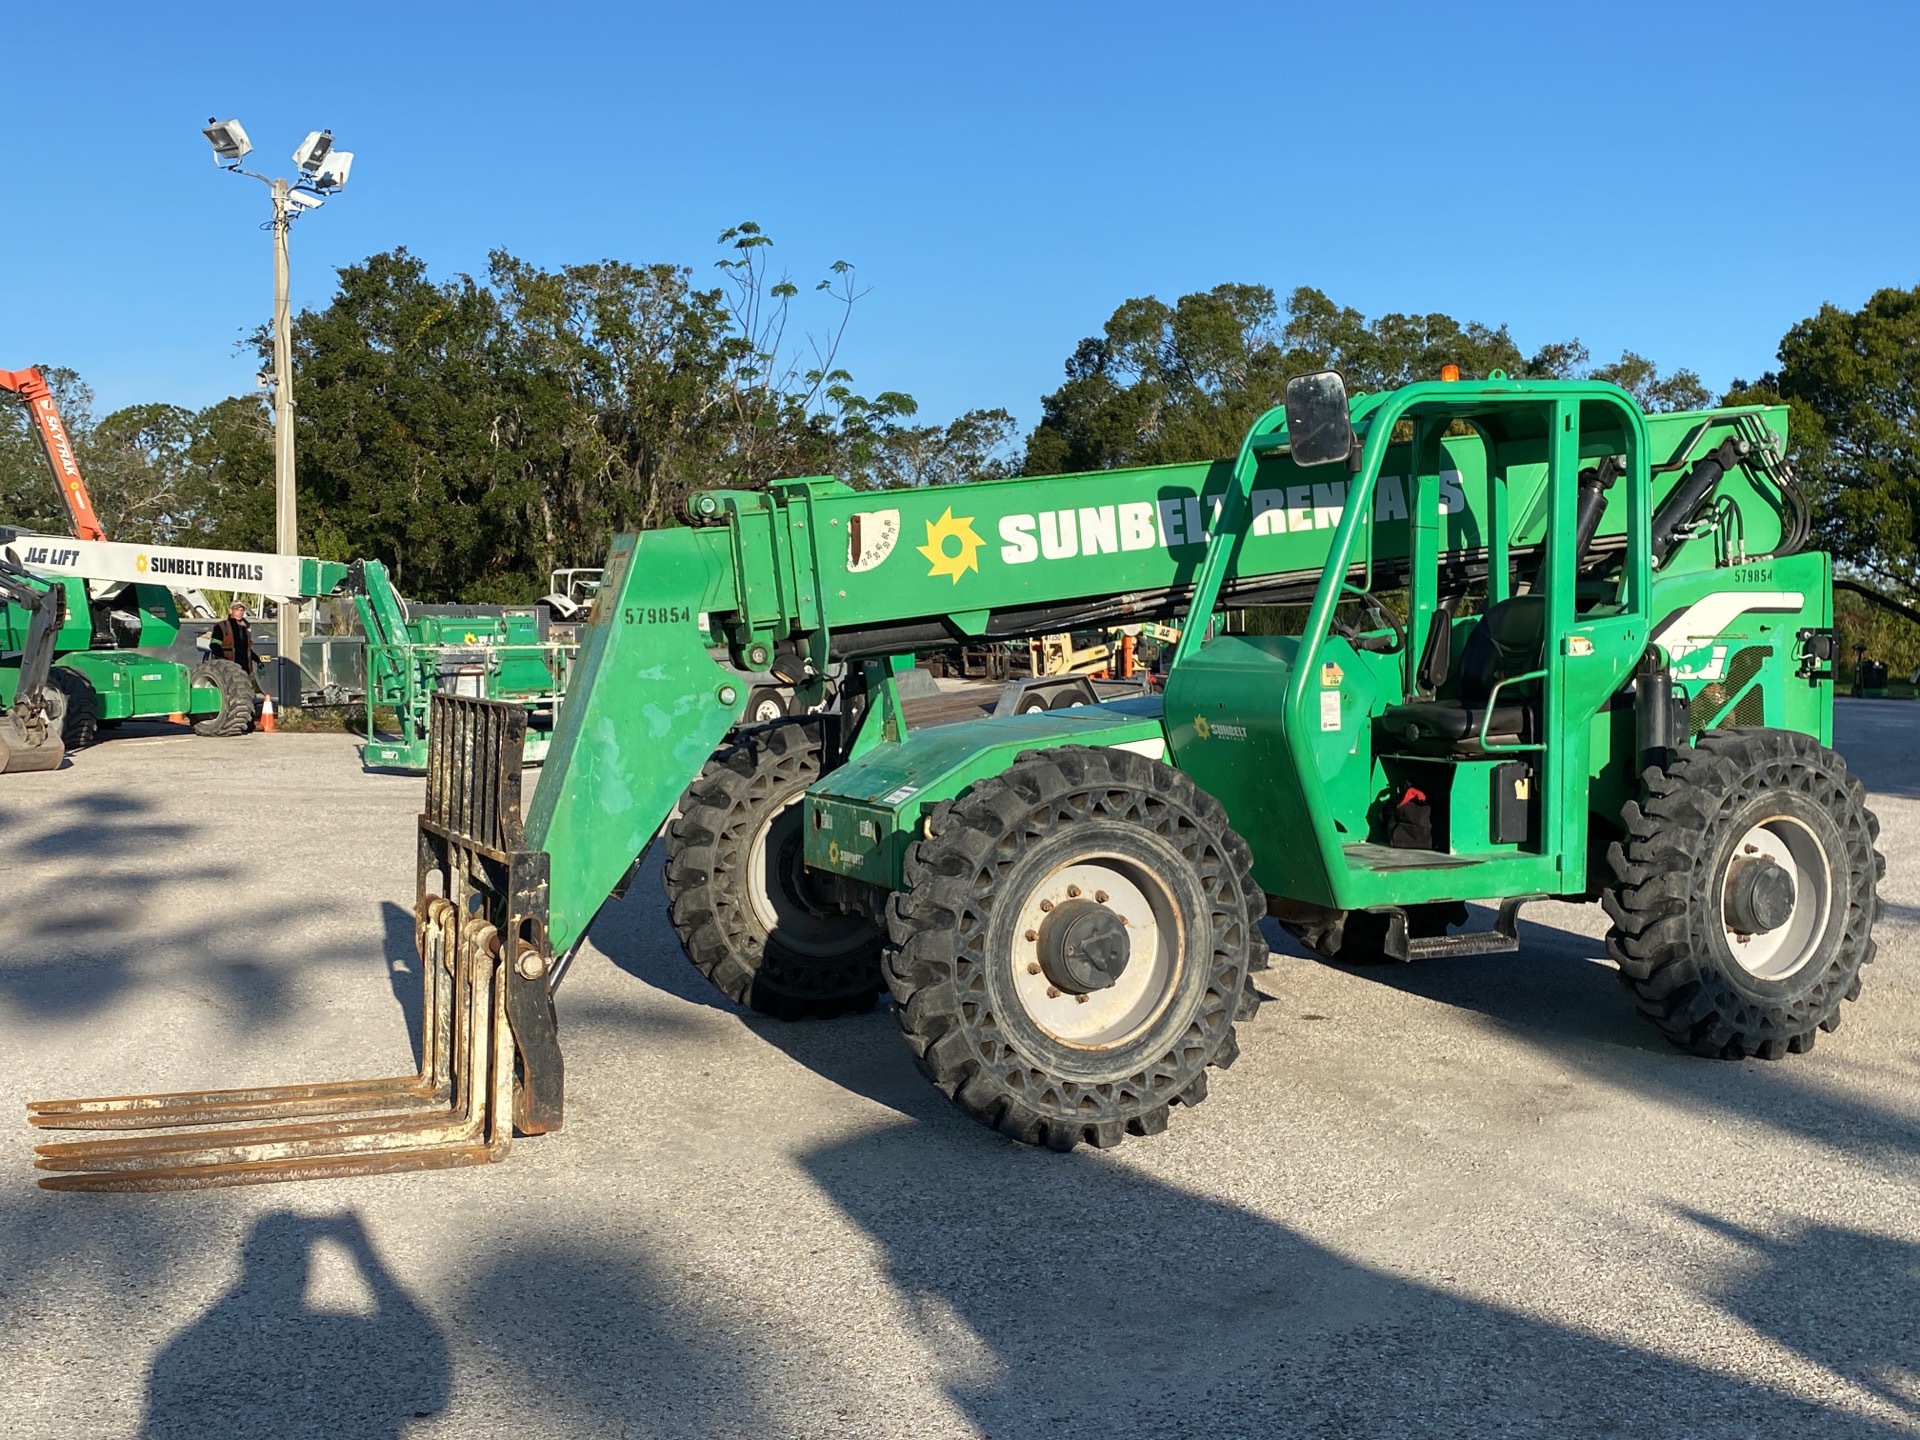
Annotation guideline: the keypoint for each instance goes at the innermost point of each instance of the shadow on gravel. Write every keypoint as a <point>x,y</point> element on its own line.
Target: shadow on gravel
<point>617,1341</point>
<point>82,936</point>
<point>1108,1303</point>
<point>1849,1301</point>
<point>265,1360</point>
<point>636,935</point>
<point>1560,994</point>
<point>402,957</point>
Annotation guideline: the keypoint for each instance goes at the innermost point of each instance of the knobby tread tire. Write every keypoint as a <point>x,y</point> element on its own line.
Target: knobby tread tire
<point>1664,907</point>
<point>235,715</point>
<point>938,965</point>
<point>706,878</point>
<point>80,724</point>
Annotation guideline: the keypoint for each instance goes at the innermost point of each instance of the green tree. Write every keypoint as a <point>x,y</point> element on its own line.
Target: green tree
<point>398,442</point>
<point>1183,382</point>
<point>875,451</point>
<point>29,498</point>
<point>476,435</point>
<point>1852,380</point>
<point>228,487</point>
<point>135,462</point>
<point>1163,382</point>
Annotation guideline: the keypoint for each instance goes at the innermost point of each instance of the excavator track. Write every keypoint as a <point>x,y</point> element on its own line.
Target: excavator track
<point>488,1056</point>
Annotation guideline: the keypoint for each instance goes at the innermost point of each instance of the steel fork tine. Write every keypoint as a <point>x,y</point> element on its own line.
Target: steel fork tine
<point>426,1087</point>
<point>473,1132</point>
<point>473,936</point>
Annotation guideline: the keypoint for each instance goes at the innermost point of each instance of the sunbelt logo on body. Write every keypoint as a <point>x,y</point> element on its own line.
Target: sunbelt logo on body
<point>953,546</point>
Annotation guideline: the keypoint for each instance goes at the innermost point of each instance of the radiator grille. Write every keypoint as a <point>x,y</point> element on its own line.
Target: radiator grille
<point>1711,699</point>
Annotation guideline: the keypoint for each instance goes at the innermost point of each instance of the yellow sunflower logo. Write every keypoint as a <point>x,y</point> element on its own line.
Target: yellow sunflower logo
<point>953,564</point>
<point>1201,728</point>
<point>140,563</point>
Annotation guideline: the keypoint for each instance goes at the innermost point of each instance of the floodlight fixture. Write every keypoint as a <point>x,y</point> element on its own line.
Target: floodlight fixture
<point>313,150</point>
<point>229,141</point>
<point>333,172</point>
<point>322,172</point>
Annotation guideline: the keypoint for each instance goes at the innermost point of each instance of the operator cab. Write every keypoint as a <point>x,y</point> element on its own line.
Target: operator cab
<point>1432,753</point>
<point>1472,727</point>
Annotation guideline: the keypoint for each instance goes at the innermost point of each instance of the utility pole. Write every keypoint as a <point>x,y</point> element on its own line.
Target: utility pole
<point>286,525</point>
<point>323,172</point>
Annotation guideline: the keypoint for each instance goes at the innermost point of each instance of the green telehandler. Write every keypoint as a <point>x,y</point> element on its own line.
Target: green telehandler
<point>1534,642</point>
<point>506,656</point>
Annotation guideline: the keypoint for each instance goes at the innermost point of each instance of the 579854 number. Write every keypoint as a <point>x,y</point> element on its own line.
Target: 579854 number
<point>656,614</point>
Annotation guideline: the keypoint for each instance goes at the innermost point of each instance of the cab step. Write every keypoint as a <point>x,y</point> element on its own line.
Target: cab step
<point>1504,936</point>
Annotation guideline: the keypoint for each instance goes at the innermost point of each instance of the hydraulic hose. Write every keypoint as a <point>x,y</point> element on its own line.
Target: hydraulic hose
<point>1671,520</point>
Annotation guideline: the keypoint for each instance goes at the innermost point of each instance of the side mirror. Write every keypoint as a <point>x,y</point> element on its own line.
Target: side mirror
<point>1319,427</point>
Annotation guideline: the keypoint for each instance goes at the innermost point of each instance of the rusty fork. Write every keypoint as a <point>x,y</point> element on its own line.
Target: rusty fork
<point>489,1054</point>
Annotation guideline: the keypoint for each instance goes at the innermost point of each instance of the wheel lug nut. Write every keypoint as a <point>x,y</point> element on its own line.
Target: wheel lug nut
<point>1033,967</point>
<point>1081,999</point>
<point>1100,896</point>
<point>1073,892</point>
<point>1046,905</point>
<point>1052,993</point>
<point>1033,934</point>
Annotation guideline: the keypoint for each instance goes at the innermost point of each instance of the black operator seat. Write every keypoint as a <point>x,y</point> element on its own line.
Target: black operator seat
<point>1506,642</point>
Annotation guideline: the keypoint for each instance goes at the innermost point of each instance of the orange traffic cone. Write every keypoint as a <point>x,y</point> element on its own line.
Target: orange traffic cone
<point>177,718</point>
<point>266,716</point>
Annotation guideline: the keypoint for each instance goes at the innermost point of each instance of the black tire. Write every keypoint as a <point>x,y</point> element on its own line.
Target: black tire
<point>764,706</point>
<point>80,726</point>
<point>1753,799</point>
<point>770,944</point>
<point>969,997</point>
<point>1031,705</point>
<point>235,715</point>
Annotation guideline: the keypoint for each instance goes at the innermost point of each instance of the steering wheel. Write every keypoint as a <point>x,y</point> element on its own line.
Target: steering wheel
<point>1392,644</point>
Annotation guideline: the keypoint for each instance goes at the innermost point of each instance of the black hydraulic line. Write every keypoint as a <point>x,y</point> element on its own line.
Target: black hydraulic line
<point>1595,482</point>
<point>1457,570</point>
<point>1684,504</point>
<point>47,607</point>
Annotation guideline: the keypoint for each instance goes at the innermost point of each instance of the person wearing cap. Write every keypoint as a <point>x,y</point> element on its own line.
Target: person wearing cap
<point>232,639</point>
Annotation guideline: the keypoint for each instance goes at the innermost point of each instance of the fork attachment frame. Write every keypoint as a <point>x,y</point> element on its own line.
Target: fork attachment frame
<point>489,1049</point>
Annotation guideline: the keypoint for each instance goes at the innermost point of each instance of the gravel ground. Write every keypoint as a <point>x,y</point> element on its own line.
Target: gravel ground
<point>1470,1197</point>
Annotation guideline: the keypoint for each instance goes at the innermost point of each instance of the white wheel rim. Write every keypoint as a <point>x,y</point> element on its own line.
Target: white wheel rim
<point>1784,951</point>
<point>1156,940</point>
<point>778,911</point>
<point>767,710</point>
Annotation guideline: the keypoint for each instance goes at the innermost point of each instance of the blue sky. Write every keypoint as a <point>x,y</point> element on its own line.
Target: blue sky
<point>1683,179</point>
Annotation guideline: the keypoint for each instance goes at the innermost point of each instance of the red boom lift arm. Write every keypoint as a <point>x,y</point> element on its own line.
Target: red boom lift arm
<point>31,387</point>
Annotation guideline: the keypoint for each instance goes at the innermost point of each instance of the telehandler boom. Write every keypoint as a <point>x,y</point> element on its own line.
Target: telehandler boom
<point>44,415</point>
<point>1551,646</point>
